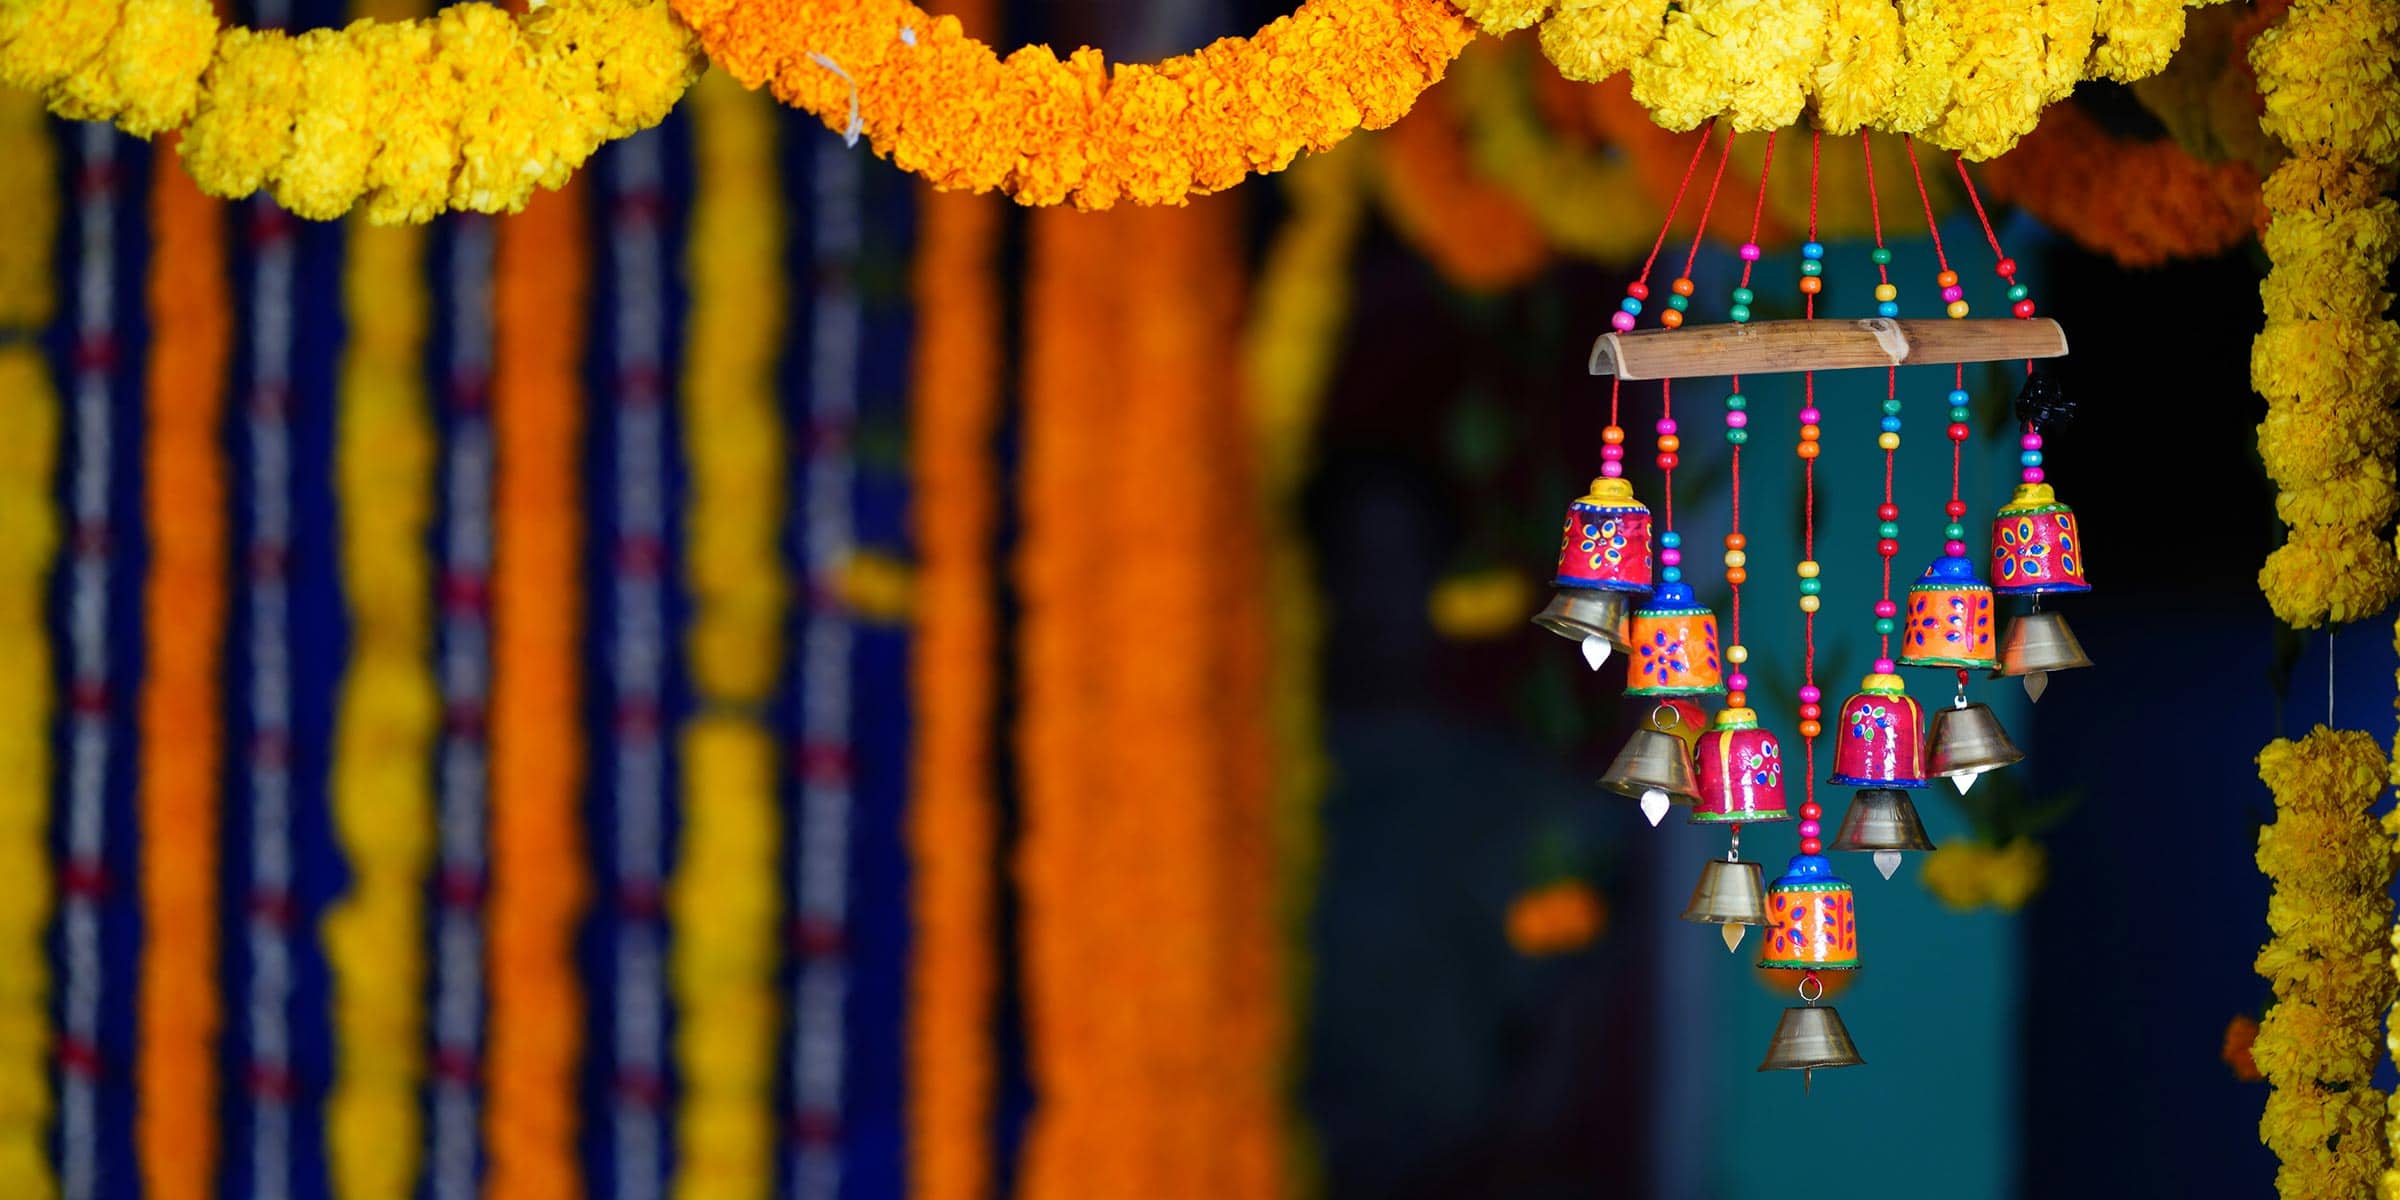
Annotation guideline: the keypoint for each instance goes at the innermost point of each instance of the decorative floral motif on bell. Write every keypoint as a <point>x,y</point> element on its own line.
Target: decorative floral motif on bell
<point>1950,618</point>
<point>1812,920</point>
<point>1741,771</point>
<point>1606,542</point>
<point>1877,742</point>
<point>2037,545</point>
<point>1674,647</point>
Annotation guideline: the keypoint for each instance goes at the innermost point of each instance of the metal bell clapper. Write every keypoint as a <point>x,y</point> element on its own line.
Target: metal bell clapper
<point>1603,565</point>
<point>1654,768</point>
<point>1876,737</point>
<point>1949,618</point>
<point>1884,822</point>
<point>2036,644</point>
<point>1809,1039</point>
<point>1674,650</point>
<point>1741,771</point>
<point>1731,893</point>
<point>1966,741</point>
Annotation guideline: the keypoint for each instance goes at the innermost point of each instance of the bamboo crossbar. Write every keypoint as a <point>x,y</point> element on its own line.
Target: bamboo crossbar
<point>1773,347</point>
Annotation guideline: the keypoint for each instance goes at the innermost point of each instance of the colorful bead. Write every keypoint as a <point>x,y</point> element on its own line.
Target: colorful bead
<point>1736,653</point>
<point>1887,309</point>
<point>1612,435</point>
<point>1736,576</point>
<point>1886,625</point>
<point>2006,268</point>
<point>1811,711</point>
<point>1671,319</point>
<point>1638,290</point>
<point>1631,304</point>
<point>1808,450</point>
<point>1881,256</point>
<point>1671,556</point>
<point>1957,310</point>
<point>1735,541</point>
<point>1810,432</point>
<point>2030,440</point>
<point>1885,291</point>
<point>1886,608</point>
<point>1739,312</point>
<point>1736,419</point>
<point>1810,416</point>
<point>1889,441</point>
<point>1808,604</point>
<point>1670,443</point>
<point>1810,284</point>
<point>1959,415</point>
<point>2022,309</point>
<point>1670,539</point>
<point>1954,532</point>
<point>2030,458</point>
<point>1812,250</point>
<point>1956,508</point>
<point>1736,400</point>
<point>1678,301</point>
<point>1737,558</point>
<point>1809,569</point>
<point>1889,529</point>
<point>2018,291</point>
<point>1743,295</point>
<point>1810,587</point>
<point>1612,453</point>
<point>1958,431</point>
<point>1735,698</point>
<point>1668,462</point>
<point>1749,251</point>
<point>1737,682</point>
<point>1891,406</point>
<point>1955,549</point>
<point>1737,436</point>
<point>1959,397</point>
<point>1811,267</point>
<point>1810,694</point>
<point>1671,574</point>
<point>1810,729</point>
<point>1887,511</point>
<point>1946,279</point>
<point>1891,424</point>
<point>1621,321</point>
<point>1887,547</point>
<point>1885,666</point>
<point>2032,475</point>
<point>1681,286</point>
<point>1954,293</point>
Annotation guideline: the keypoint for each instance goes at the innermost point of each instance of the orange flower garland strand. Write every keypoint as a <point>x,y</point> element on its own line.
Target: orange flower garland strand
<point>184,602</point>
<point>945,107</point>
<point>1472,231</point>
<point>29,522</point>
<point>2139,202</point>
<point>538,876</point>
<point>955,410</point>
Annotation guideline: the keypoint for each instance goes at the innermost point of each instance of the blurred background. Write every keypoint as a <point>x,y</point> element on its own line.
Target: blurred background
<point>751,676</point>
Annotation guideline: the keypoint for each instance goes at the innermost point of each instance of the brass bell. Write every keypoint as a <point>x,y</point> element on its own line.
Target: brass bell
<point>1964,741</point>
<point>1810,1039</point>
<point>2036,644</point>
<point>1592,616</point>
<point>1730,893</point>
<point>1653,768</point>
<point>1884,821</point>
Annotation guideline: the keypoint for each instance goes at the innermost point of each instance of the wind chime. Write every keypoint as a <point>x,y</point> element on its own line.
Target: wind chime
<point>1732,772</point>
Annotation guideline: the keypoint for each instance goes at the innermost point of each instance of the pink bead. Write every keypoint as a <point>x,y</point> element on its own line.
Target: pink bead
<point>1612,470</point>
<point>1810,829</point>
<point>1738,682</point>
<point>1736,419</point>
<point>1666,425</point>
<point>1954,549</point>
<point>1953,293</point>
<point>2033,475</point>
<point>1810,695</point>
<point>1671,556</point>
<point>1622,320</point>
<point>1810,416</point>
<point>1885,608</point>
<point>1612,453</point>
<point>1749,251</point>
<point>1883,666</point>
<point>2031,441</point>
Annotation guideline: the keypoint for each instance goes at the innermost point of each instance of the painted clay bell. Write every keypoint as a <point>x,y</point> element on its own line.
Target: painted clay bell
<point>1812,920</point>
<point>1674,649</point>
<point>1603,567</point>
<point>1741,771</point>
<point>1950,618</point>
<point>1877,741</point>
<point>2037,545</point>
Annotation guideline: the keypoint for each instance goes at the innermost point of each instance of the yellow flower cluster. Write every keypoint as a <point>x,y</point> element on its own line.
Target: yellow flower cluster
<point>28,547</point>
<point>2329,917</point>
<point>1479,605</point>
<point>470,109</point>
<point>1966,876</point>
<point>2328,362</point>
<point>724,898</point>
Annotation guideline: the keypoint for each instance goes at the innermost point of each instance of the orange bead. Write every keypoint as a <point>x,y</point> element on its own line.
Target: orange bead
<point>1737,576</point>
<point>1683,287</point>
<point>1737,699</point>
<point>1669,443</point>
<point>1735,541</point>
<point>1946,279</point>
<point>1808,449</point>
<point>1612,435</point>
<point>1810,433</point>
<point>1671,319</point>
<point>1810,729</point>
<point>1811,284</point>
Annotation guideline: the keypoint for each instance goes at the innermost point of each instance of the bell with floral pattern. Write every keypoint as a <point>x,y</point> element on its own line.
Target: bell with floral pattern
<point>1876,740</point>
<point>1741,771</point>
<point>1603,567</point>
<point>1674,650</point>
<point>2037,545</point>
<point>1812,922</point>
<point>1949,618</point>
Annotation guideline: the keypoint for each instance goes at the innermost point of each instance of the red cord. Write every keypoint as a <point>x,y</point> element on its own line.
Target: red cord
<point>1759,209</point>
<point>1866,149</point>
<point>1808,529</point>
<point>1891,391</point>
<point>1977,201</point>
<point>1958,380</point>
<point>1708,205</point>
<point>1677,205</point>
<point>1666,412</point>
<point>1923,197</point>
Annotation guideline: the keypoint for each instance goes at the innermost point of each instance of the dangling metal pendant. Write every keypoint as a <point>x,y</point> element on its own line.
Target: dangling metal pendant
<point>1730,893</point>
<point>1654,769</point>
<point>1967,741</point>
<point>1809,1039</point>
<point>1598,619</point>
<point>2036,644</point>
<point>1884,822</point>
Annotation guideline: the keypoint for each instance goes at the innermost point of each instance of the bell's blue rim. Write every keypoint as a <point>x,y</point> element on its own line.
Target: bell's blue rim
<point>1700,818</point>
<point>1717,689</point>
<point>1605,585</point>
<point>2040,589</point>
<point>1841,780</point>
<point>1972,664</point>
<point>1802,964</point>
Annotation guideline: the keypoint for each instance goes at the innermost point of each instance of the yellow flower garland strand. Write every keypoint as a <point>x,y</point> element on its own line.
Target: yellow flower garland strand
<point>28,546</point>
<point>389,713</point>
<point>2331,865</point>
<point>725,898</point>
<point>468,109</point>
<point>184,604</point>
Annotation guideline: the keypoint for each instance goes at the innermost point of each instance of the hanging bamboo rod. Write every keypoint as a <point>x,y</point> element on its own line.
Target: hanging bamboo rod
<point>1772,347</point>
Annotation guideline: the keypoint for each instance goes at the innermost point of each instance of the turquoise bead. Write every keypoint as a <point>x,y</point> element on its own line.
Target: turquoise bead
<point>1888,308</point>
<point>1677,301</point>
<point>1739,313</point>
<point>1742,295</point>
<point>1737,401</point>
<point>2018,291</point>
<point>1670,574</point>
<point>1891,424</point>
<point>1810,587</point>
<point>1958,416</point>
<point>1954,533</point>
<point>1888,529</point>
<point>1737,436</point>
<point>1886,625</point>
<point>1670,539</point>
<point>1882,256</point>
<point>1810,266</point>
<point>2031,458</point>
<point>1959,398</point>
<point>1891,406</point>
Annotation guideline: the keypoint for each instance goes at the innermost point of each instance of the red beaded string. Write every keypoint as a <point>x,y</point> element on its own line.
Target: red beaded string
<point>1669,443</point>
<point>1612,438</point>
<point>1953,297</point>
<point>1737,432</point>
<point>1887,513</point>
<point>1811,814</point>
<point>2029,439</point>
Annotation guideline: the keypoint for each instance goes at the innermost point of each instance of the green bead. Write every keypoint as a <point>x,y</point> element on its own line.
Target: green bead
<point>1678,301</point>
<point>1891,406</point>
<point>1810,266</point>
<point>1954,532</point>
<point>1885,624</point>
<point>1737,436</point>
<point>1958,416</point>
<point>1737,401</point>
<point>1742,295</point>
<point>2017,291</point>
<point>1882,256</point>
<point>1739,313</point>
<point>1810,587</point>
<point>1888,529</point>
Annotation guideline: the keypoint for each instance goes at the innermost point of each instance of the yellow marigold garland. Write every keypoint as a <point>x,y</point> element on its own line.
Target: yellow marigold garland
<point>2328,918</point>
<point>28,546</point>
<point>182,751</point>
<point>954,402</point>
<point>538,875</point>
<point>2328,362</point>
<point>469,109</point>
<point>725,897</point>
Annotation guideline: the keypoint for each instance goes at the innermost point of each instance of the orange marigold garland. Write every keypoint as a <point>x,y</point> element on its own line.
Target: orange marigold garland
<point>538,879</point>
<point>955,408</point>
<point>944,106</point>
<point>1474,232</point>
<point>2139,202</point>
